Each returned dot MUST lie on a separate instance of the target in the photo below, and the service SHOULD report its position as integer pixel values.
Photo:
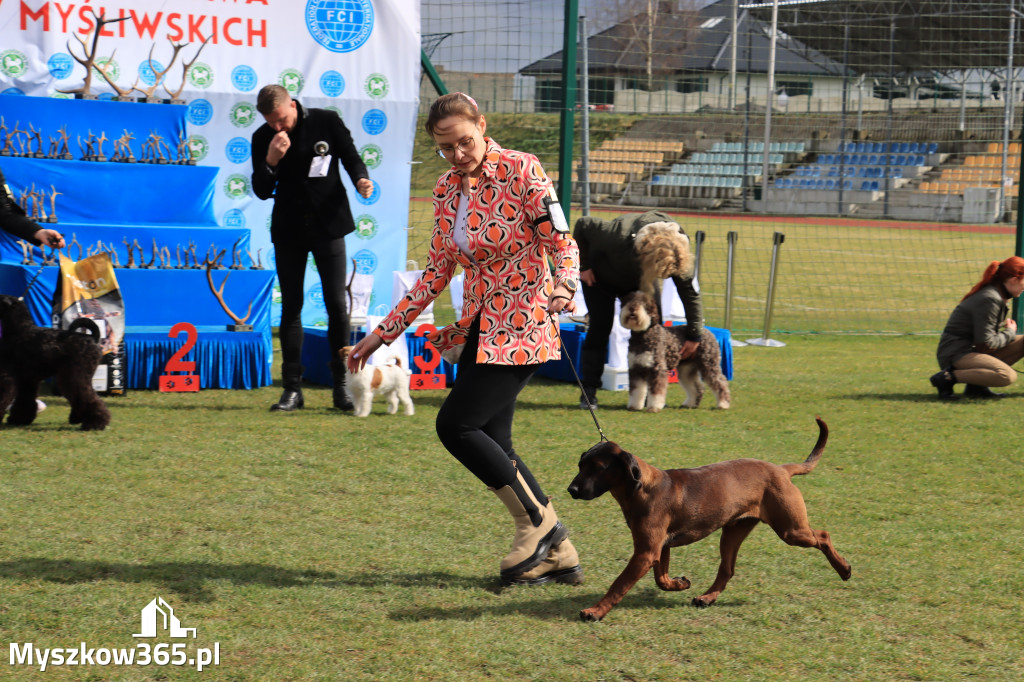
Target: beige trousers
(990, 369)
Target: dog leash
(34, 278)
(590, 406)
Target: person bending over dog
(495, 215)
(14, 221)
(614, 262)
(979, 342)
(295, 157)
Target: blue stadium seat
(933, 147)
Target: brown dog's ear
(628, 460)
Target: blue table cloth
(222, 359)
(316, 354)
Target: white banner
(358, 57)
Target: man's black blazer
(320, 203)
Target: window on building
(795, 88)
(691, 84)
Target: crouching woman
(980, 343)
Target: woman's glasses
(448, 151)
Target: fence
(884, 146)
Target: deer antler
(219, 293)
(89, 60)
(121, 92)
(158, 76)
(184, 71)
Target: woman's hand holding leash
(560, 300)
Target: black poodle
(29, 354)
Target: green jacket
(975, 326)
(606, 247)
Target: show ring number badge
(428, 376)
(186, 381)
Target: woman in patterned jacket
(496, 216)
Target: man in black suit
(295, 158)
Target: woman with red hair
(979, 342)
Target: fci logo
(339, 26)
(13, 63)
(242, 114)
(376, 85)
(236, 186)
(198, 147)
(366, 226)
(291, 80)
(371, 154)
(109, 66)
(200, 75)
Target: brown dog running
(666, 509)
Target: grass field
(320, 546)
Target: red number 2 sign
(186, 381)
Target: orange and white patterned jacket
(511, 237)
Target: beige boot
(562, 565)
(537, 528)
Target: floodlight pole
(584, 176)
(1018, 310)
(768, 105)
(1008, 97)
(732, 51)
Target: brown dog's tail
(807, 466)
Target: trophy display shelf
(147, 214)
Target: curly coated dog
(654, 350)
(29, 354)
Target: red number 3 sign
(187, 381)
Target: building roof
(927, 35)
(691, 42)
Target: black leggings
(329, 256)
(475, 420)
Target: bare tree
(660, 31)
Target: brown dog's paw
(683, 583)
(702, 602)
(591, 615)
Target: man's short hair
(270, 98)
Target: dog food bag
(88, 289)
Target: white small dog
(390, 380)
